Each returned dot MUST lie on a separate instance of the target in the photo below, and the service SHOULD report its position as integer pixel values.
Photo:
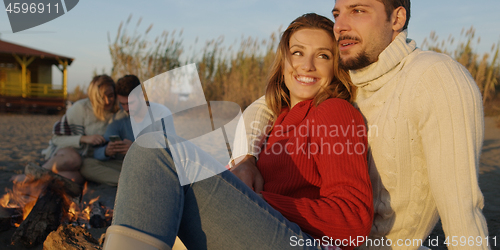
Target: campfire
(43, 202)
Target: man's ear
(398, 19)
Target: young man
(425, 120)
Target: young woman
(316, 185)
(81, 128)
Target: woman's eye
(296, 53)
(324, 56)
(358, 11)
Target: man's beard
(359, 62)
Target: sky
(82, 33)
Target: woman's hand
(92, 139)
(247, 171)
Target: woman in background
(81, 128)
(314, 195)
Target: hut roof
(7, 48)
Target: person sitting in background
(81, 129)
(108, 158)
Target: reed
(77, 94)
(134, 53)
(239, 75)
(228, 75)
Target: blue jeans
(219, 212)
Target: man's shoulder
(421, 63)
(426, 58)
(430, 70)
(121, 120)
(159, 109)
(118, 125)
(120, 114)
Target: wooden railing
(33, 90)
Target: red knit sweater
(315, 170)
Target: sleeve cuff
(99, 154)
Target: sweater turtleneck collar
(388, 60)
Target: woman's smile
(306, 80)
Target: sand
(22, 137)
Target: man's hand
(92, 139)
(123, 148)
(117, 147)
(247, 171)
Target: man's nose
(341, 24)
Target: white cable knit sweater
(425, 118)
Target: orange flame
(54, 168)
(84, 192)
(25, 193)
(5, 200)
(94, 200)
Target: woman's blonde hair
(96, 96)
(278, 95)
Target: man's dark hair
(126, 84)
(391, 5)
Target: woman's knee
(67, 159)
(147, 159)
(73, 175)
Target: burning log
(44, 218)
(46, 214)
(97, 215)
(48, 200)
(71, 188)
(69, 237)
(7, 217)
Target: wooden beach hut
(26, 79)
